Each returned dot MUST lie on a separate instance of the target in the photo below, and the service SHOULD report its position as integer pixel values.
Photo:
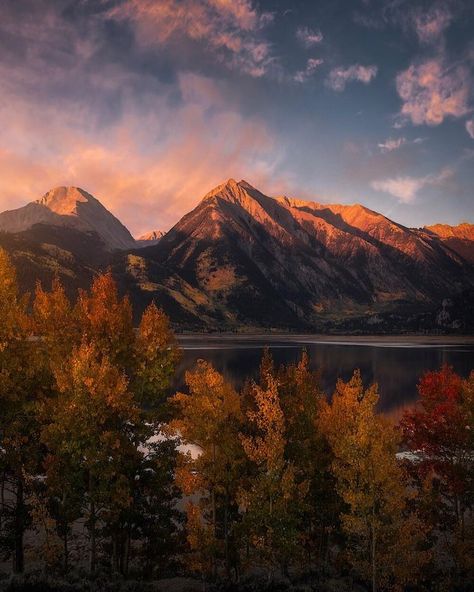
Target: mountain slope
(458, 238)
(149, 238)
(69, 207)
(250, 260)
(241, 260)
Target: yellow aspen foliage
(272, 500)
(209, 418)
(385, 540)
(106, 320)
(201, 541)
(55, 322)
(156, 354)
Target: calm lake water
(395, 364)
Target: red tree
(440, 434)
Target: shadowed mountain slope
(241, 260)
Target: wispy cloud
(406, 188)
(470, 127)
(231, 30)
(391, 144)
(311, 66)
(430, 25)
(431, 91)
(129, 138)
(340, 77)
(308, 37)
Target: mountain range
(241, 260)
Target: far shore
(321, 338)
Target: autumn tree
(89, 430)
(439, 434)
(209, 418)
(20, 387)
(99, 331)
(272, 497)
(106, 321)
(383, 536)
(301, 399)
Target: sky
(149, 104)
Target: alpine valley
(243, 261)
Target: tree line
(105, 470)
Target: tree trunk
(374, 581)
(93, 542)
(65, 551)
(226, 534)
(127, 550)
(18, 557)
(214, 517)
(115, 561)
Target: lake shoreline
(328, 339)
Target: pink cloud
(470, 128)
(431, 92)
(406, 188)
(311, 66)
(150, 166)
(339, 77)
(392, 144)
(431, 24)
(230, 29)
(308, 37)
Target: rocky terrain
(242, 260)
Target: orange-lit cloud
(150, 167)
(230, 29)
(432, 91)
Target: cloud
(149, 166)
(231, 30)
(431, 92)
(430, 25)
(308, 37)
(311, 66)
(127, 136)
(339, 77)
(406, 188)
(470, 127)
(391, 144)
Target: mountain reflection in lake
(396, 365)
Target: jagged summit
(231, 191)
(153, 235)
(150, 238)
(65, 200)
(70, 207)
(461, 231)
